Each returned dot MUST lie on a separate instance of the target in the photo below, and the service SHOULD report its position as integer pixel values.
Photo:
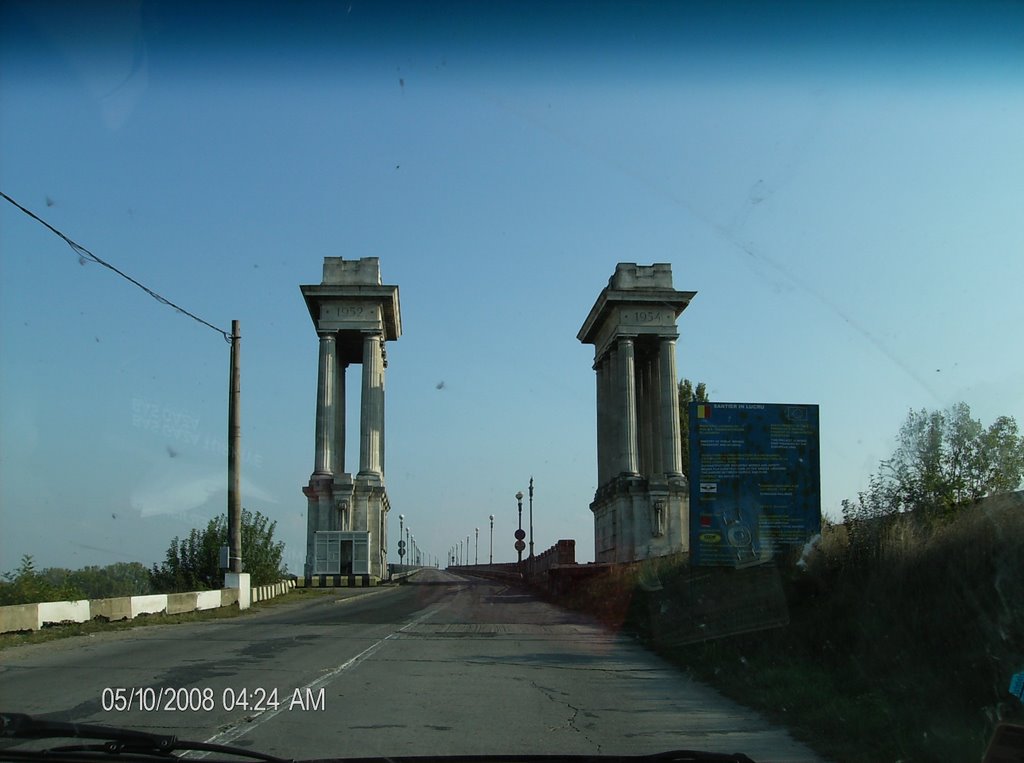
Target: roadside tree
(26, 585)
(688, 394)
(944, 461)
(192, 563)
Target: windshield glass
(401, 378)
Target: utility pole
(235, 456)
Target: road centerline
(243, 726)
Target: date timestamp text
(196, 699)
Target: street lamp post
(531, 517)
(491, 558)
(519, 532)
(467, 549)
(401, 537)
(476, 548)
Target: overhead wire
(81, 251)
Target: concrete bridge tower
(354, 316)
(641, 507)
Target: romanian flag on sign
(703, 411)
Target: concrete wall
(178, 603)
(148, 605)
(19, 617)
(210, 600)
(31, 617)
(63, 612)
(110, 609)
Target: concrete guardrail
(264, 592)
(32, 617)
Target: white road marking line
(359, 596)
(239, 728)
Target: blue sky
(841, 186)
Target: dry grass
(902, 650)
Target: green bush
(192, 563)
(26, 585)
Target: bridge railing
(560, 554)
(509, 572)
(536, 572)
(398, 572)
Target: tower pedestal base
(637, 518)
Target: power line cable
(81, 251)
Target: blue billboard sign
(755, 484)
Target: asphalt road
(445, 665)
